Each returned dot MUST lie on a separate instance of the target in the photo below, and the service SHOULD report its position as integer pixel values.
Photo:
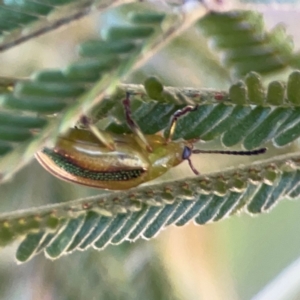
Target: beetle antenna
(228, 152)
(187, 152)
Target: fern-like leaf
(247, 114)
(143, 212)
(245, 45)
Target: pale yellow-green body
(80, 157)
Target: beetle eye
(186, 155)
(187, 152)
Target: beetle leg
(179, 113)
(103, 137)
(132, 124)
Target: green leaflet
(64, 237)
(120, 216)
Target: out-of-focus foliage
(249, 113)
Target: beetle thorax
(164, 155)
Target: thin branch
(55, 24)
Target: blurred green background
(232, 259)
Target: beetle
(119, 162)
